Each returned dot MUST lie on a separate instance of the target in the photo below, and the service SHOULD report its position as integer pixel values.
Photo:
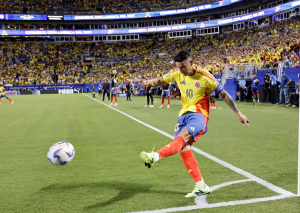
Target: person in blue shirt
(254, 86)
(242, 85)
(273, 81)
(285, 80)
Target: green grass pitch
(107, 174)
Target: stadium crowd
(49, 6)
(90, 6)
(131, 6)
(63, 63)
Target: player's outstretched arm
(230, 102)
(153, 82)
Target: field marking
(214, 205)
(283, 193)
(201, 200)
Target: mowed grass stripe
(106, 174)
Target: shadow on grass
(127, 190)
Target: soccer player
(195, 85)
(113, 90)
(128, 92)
(254, 87)
(3, 94)
(149, 95)
(212, 100)
(165, 93)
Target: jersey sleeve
(213, 84)
(171, 76)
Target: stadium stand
(90, 6)
(121, 6)
(39, 63)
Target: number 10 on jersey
(189, 93)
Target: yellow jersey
(2, 90)
(195, 90)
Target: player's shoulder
(171, 73)
(205, 73)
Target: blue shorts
(165, 94)
(3, 96)
(113, 92)
(195, 123)
(254, 89)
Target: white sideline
(283, 193)
(214, 205)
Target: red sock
(115, 99)
(171, 148)
(111, 99)
(214, 104)
(0, 100)
(191, 165)
(9, 99)
(169, 99)
(162, 101)
(211, 105)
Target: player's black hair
(181, 56)
(112, 75)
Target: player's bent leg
(150, 157)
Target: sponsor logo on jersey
(168, 74)
(192, 128)
(197, 85)
(183, 82)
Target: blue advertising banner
(213, 23)
(22, 17)
(151, 14)
(46, 87)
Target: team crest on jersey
(168, 74)
(197, 85)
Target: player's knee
(186, 136)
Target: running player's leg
(112, 96)
(212, 102)
(162, 99)
(169, 99)
(116, 99)
(5, 96)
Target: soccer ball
(61, 153)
